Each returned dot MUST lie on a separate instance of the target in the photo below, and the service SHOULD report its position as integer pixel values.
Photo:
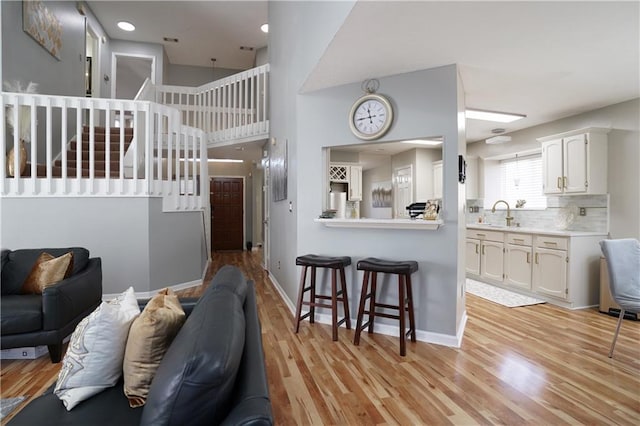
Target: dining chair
(623, 262)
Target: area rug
(7, 405)
(500, 295)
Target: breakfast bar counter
(415, 224)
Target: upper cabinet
(351, 174)
(575, 162)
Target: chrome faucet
(508, 218)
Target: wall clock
(371, 115)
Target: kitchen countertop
(524, 230)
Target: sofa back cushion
(194, 382)
(17, 264)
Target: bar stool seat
(335, 263)
(371, 267)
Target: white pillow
(93, 361)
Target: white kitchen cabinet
(473, 256)
(492, 260)
(486, 250)
(351, 174)
(437, 179)
(518, 261)
(550, 272)
(355, 183)
(575, 162)
(560, 267)
(550, 266)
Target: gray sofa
(213, 372)
(32, 319)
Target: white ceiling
(204, 29)
(547, 60)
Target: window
(521, 179)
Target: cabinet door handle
(476, 249)
(528, 257)
(536, 258)
(481, 235)
(483, 250)
(559, 183)
(564, 182)
(519, 239)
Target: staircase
(100, 146)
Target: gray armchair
(623, 262)
(46, 319)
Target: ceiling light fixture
(498, 139)
(500, 117)
(264, 28)
(126, 26)
(428, 142)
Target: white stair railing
(233, 108)
(159, 147)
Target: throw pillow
(93, 361)
(149, 337)
(47, 271)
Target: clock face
(370, 117)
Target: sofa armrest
(73, 296)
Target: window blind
(521, 179)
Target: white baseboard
(386, 329)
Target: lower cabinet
(485, 254)
(561, 269)
(517, 266)
(550, 272)
(492, 260)
(473, 256)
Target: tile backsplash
(561, 213)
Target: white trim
(114, 56)
(386, 329)
(283, 295)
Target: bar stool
(371, 266)
(335, 264)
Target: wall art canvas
(381, 195)
(278, 168)
(41, 24)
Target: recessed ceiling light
(500, 117)
(429, 142)
(126, 26)
(264, 28)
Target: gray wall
(191, 76)
(139, 245)
(623, 157)
(426, 102)
(135, 48)
(23, 59)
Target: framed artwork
(278, 168)
(41, 24)
(381, 195)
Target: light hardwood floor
(532, 365)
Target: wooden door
(227, 213)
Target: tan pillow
(149, 338)
(47, 271)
